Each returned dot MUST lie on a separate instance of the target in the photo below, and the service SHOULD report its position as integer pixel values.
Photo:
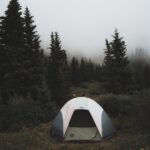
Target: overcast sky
(83, 25)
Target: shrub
(115, 105)
(145, 93)
(24, 111)
(94, 91)
(84, 85)
(121, 108)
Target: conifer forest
(35, 84)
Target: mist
(84, 25)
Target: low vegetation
(34, 85)
(130, 116)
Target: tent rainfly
(82, 119)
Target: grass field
(130, 116)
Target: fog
(83, 25)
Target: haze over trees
(116, 65)
(33, 85)
(58, 77)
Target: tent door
(82, 127)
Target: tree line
(33, 85)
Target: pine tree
(25, 96)
(75, 72)
(59, 76)
(34, 57)
(119, 51)
(2, 31)
(108, 60)
(31, 36)
(108, 66)
(2, 55)
(116, 65)
(98, 73)
(83, 70)
(22, 66)
(12, 48)
(89, 70)
(146, 76)
(12, 25)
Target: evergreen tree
(59, 82)
(98, 75)
(12, 48)
(2, 56)
(24, 95)
(23, 67)
(12, 26)
(108, 67)
(83, 70)
(89, 70)
(146, 76)
(31, 37)
(2, 31)
(116, 65)
(119, 51)
(75, 72)
(34, 65)
(108, 60)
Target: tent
(82, 119)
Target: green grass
(130, 116)
(90, 89)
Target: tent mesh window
(81, 118)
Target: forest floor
(132, 125)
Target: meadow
(130, 115)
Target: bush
(115, 105)
(94, 91)
(84, 85)
(121, 108)
(145, 93)
(23, 111)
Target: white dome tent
(82, 119)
